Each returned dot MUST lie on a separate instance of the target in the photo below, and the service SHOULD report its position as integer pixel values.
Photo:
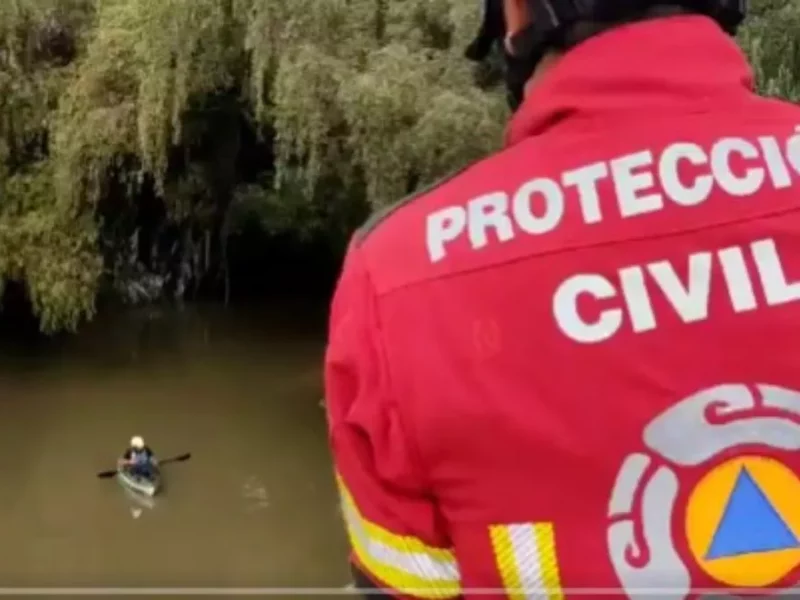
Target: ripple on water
(255, 494)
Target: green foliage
(771, 39)
(42, 242)
(370, 89)
(360, 101)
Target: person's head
(534, 33)
(137, 442)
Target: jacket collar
(661, 64)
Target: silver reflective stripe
(417, 564)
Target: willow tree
(376, 90)
(771, 38)
(368, 88)
(361, 100)
(47, 244)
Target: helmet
(554, 19)
(137, 442)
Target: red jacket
(574, 365)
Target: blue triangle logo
(750, 524)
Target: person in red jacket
(572, 367)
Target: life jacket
(140, 457)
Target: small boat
(149, 486)
(137, 501)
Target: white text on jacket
(643, 183)
(630, 298)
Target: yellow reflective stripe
(506, 561)
(404, 563)
(525, 555)
(546, 545)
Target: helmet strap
(517, 73)
(525, 50)
(558, 27)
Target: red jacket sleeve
(395, 530)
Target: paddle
(180, 458)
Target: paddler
(138, 458)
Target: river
(239, 389)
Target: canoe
(149, 486)
(138, 501)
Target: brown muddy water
(239, 389)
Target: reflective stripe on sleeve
(404, 563)
(526, 559)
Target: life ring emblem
(740, 520)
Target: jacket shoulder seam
(381, 215)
